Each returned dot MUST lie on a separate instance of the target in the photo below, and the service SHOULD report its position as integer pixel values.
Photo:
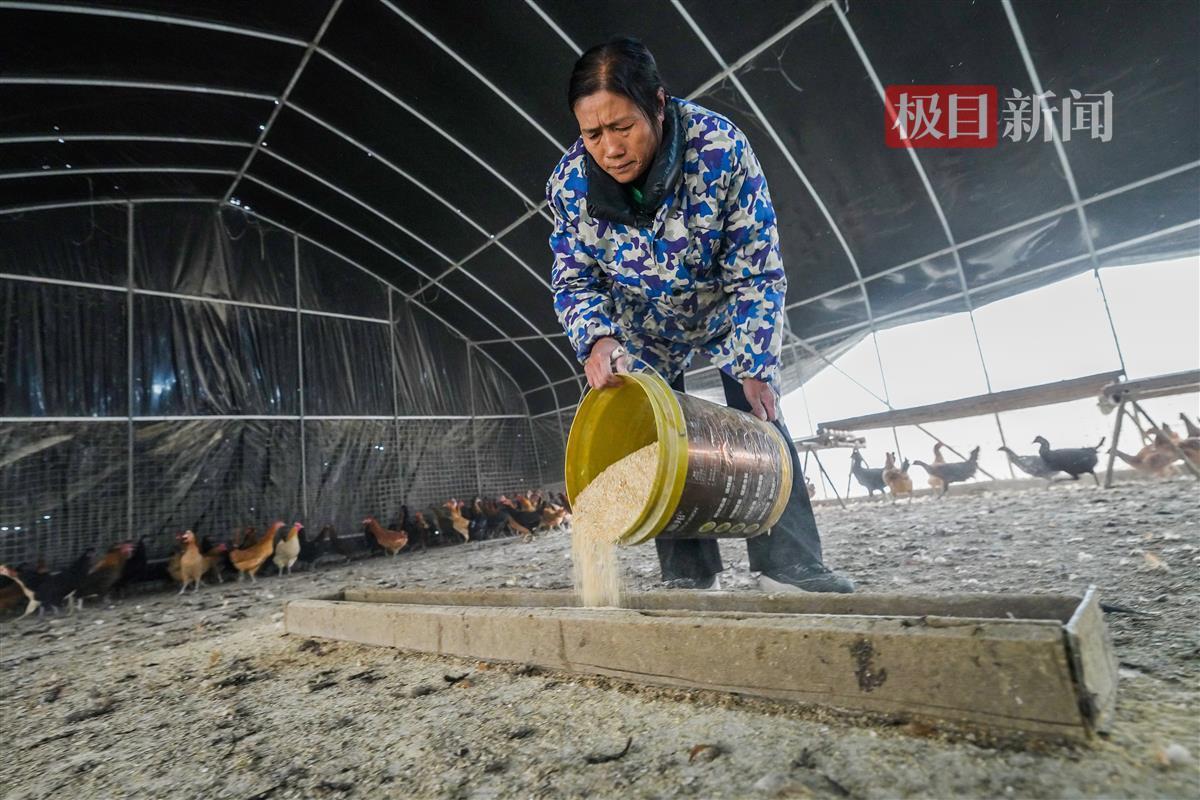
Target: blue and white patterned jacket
(699, 269)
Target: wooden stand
(1127, 393)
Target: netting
(266, 383)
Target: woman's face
(617, 134)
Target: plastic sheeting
(192, 357)
(204, 251)
(347, 369)
(64, 351)
(64, 485)
(72, 244)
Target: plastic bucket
(721, 472)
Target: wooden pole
(1112, 451)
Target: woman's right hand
(599, 364)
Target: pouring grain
(603, 512)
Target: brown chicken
(554, 516)
(461, 525)
(897, 479)
(104, 576)
(191, 563)
(391, 541)
(249, 559)
(1154, 459)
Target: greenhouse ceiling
(414, 139)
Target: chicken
(249, 559)
(896, 478)
(519, 521)
(104, 576)
(136, 566)
(191, 563)
(952, 471)
(425, 531)
(1165, 430)
(869, 479)
(288, 549)
(495, 519)
(1154, 459)
(1191, 449)
(443, 526)
(32, 603)
(810, 487)
(44, 590)
(458, 522)
(934, 481)
(1074, 461)
(391, 541)
(1193, 430)
(12, 592)
(553, 516)
(245, 537)
(1030, 465)
(214, 560)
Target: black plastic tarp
(417, 138)
(224, 432)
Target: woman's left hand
(761, 397)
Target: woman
(665, 244)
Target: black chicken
(57, 587)
(416, 534)
(869, 479)
(1030, 465)
(1074, 461)
(952, 471)
(135, 569)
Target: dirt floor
(203, 696)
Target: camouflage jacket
(699, 269)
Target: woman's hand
(599, 364)
(762, 399)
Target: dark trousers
(794, 539)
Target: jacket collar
(609, 200)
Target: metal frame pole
(300, 380)
(474, 439)
(129, 369)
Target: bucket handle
(618, 353)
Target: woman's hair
(623, 66)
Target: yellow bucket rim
(671, 431)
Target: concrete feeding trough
(1035, 664)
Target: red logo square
(940, 116)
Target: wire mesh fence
(270, 392)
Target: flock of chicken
(1157, 458)
(125, 563)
